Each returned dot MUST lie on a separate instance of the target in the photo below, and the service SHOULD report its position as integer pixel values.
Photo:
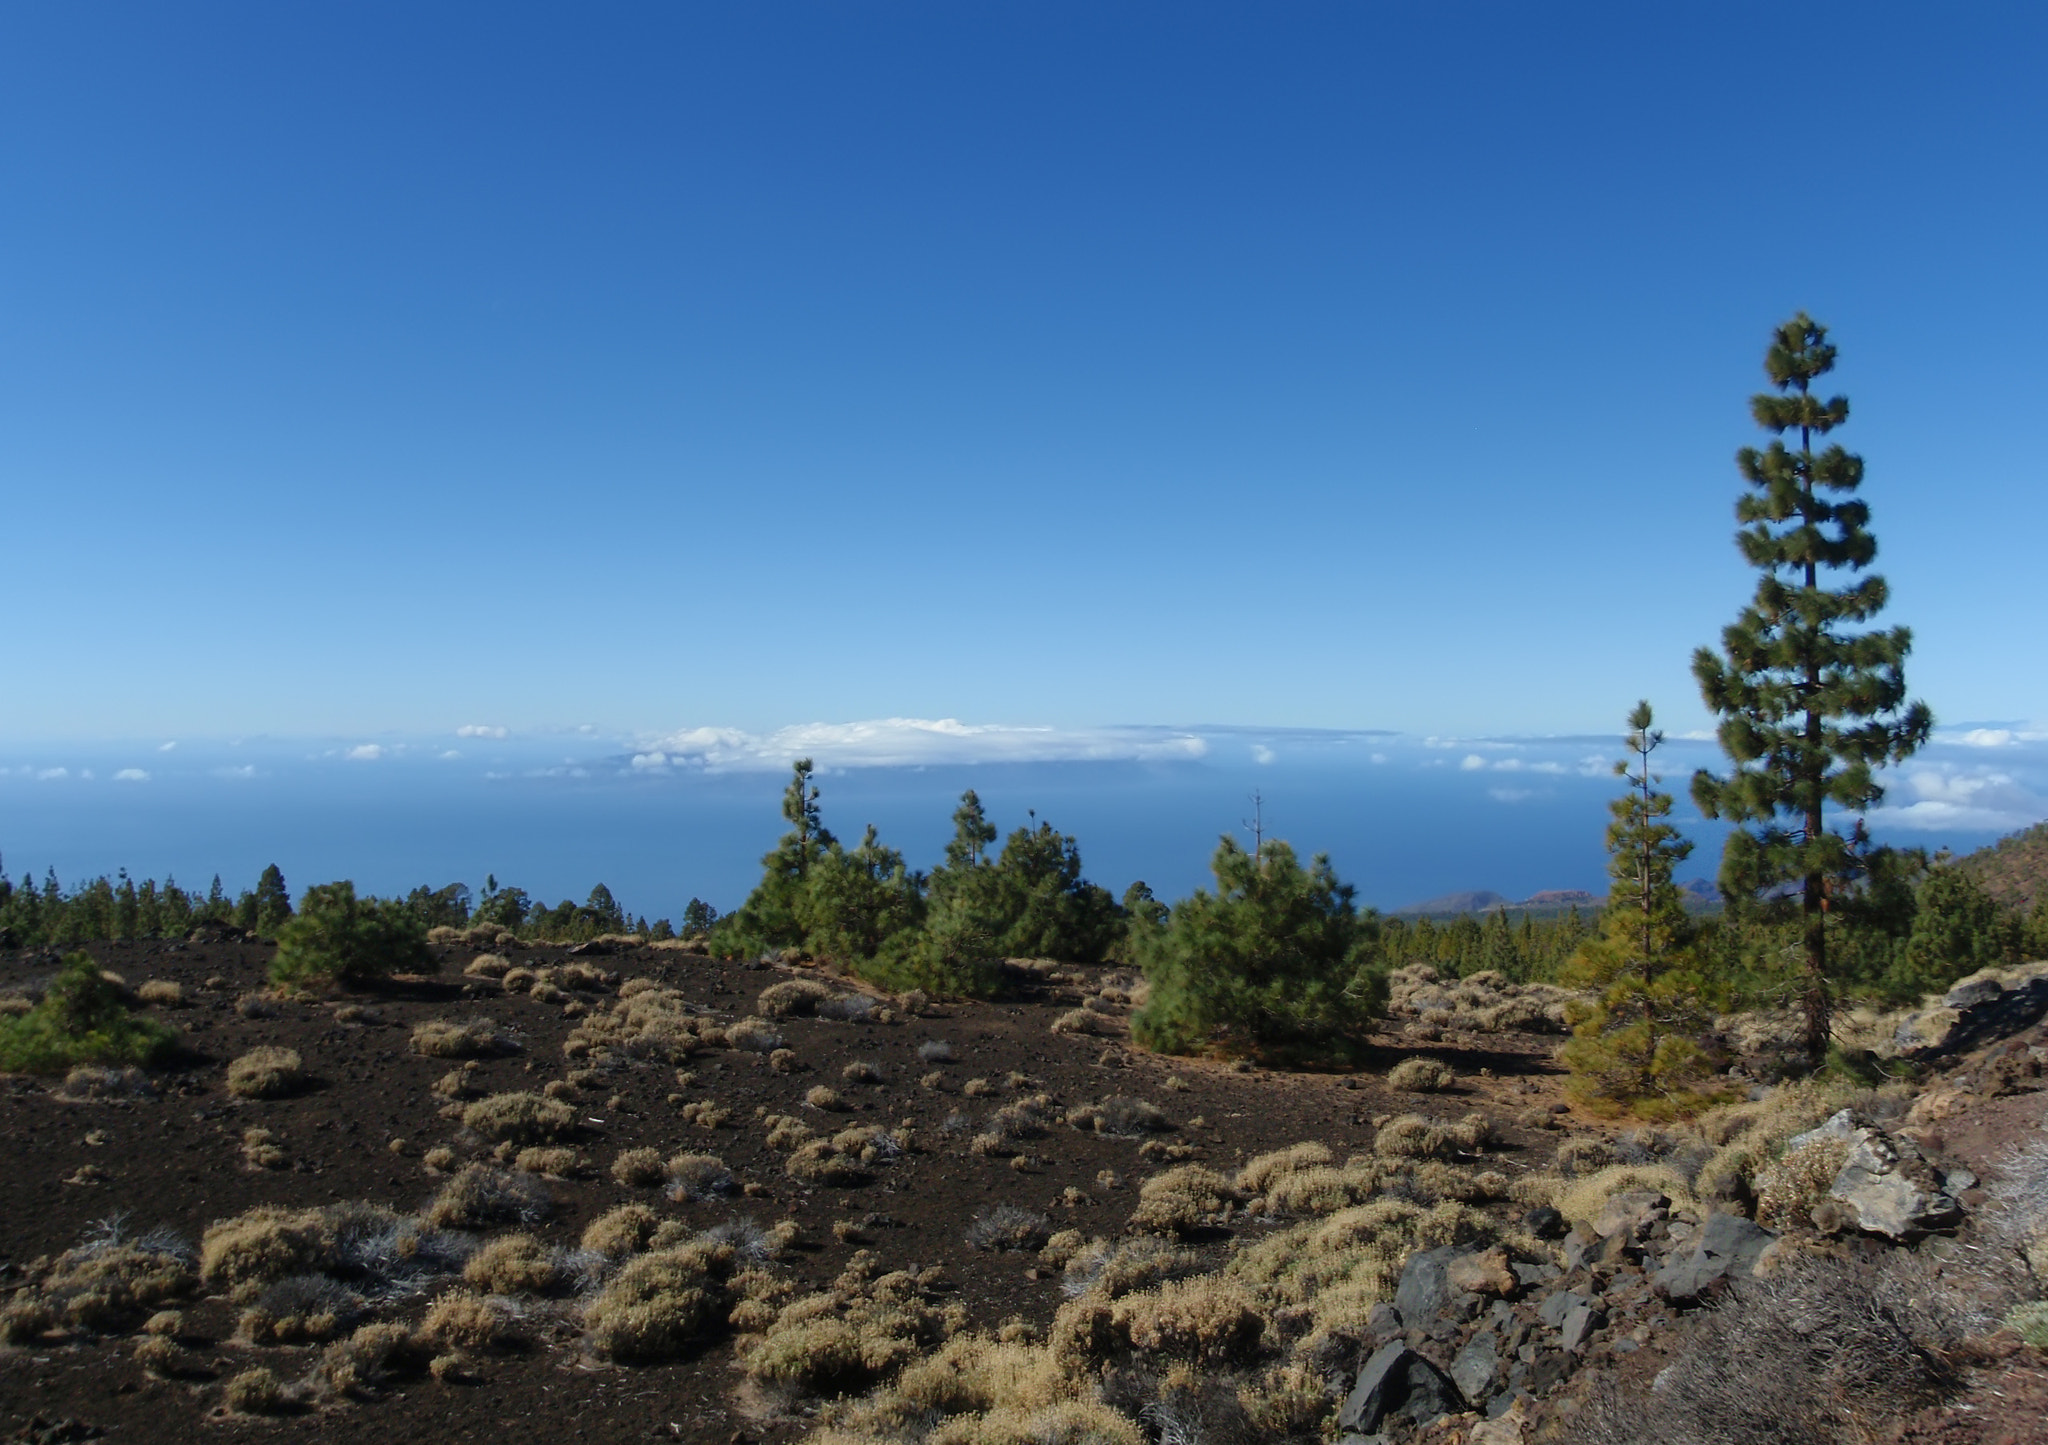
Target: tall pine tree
(1635, 1045)
(1811, 703)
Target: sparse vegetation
(336, 937)
(267, 1073)
(83, 1018)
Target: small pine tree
(1809, 708)
(1276, 958)
(972, 833)
(770, 918)
(1635, 1046)
(336, 936)
(855, 900)
(273, 902)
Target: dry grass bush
(1421, 1076)
(1412, 1136)
(1121, 1117)
(1823, 1352)
(786, 1131)
(820, 1097)
(520, 1119)
(628, 1229)
(475, 1038)
(1259, 1173)
(1086, 1022)
(262, 1150)
(1747, 1138)
(256, 1006)
(980, 1391)
(98, 1081)
(439, 1159)
(977, 1088)
(1484, 1002)
(699, 1177)
(303, 1309)
(266, 1073)
(488, 965)
(515, 1264)
(459, 1084)
(14, 1005)
(1115, 1270)
(706, 1114)
(1183, 1201)
(1789, 1188)
(935, 1081)
(1008, 1227)
(935, 1051)
(370, 1357)
(1584, 1154)
(255, 1391)
(661, 1304)
(162, 993)
(1203, 1320)
(792, 998)
(639, 1168)
(846, 1158)
(519, 980)
(557, 1161)
(460, 1320)
(648, 1022)
(161, 1357)
(267, 1243)
(851, 1336)
(105, 1285)
(169, 1323)
(479, 1197)
(753, 1035)
(1580, 1200)
(786, 1061)
(861, 1071)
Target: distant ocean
(663, 820)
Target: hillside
(2014, 870)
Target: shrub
(935, 1051)
(861, 1071)
(1275, 957)
(162, 993)
(337, 937)
(847, 1008)
(461, 1320)
(753, 1035)
(365, 1359)
(1182, 1200)
(791, 997)
(519, 1119)
(261, 1150)
(557, 1161)
(1010, 1227)
(301, 1309)
(265, 1244)
(255, 1392)
(515, 1264)
(266, 1073)
(820, 1097)
(699, 1176)
(1121, 1117)
(488, 965)
(1420, 1076)
(660, 1304)
(472, 1039)
(83, 1018)
(622, 1231)
(639, 1168)
(480, 1196)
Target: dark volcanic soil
(174, 1159)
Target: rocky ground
(943, 1187)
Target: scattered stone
(1727, 1247)
(1425, 1294)
(1887, 1187)
(1578, 1327)
(1398, 1386)
(1476, 1365)
(1485, 1272)
(1631, 1214)
(1984, 1006)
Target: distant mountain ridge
(2014, 870)
(1548, 900)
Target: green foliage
(854, 901)
(1957, 929)
(1275, 958)
(1811, 705)
(440, 907)
(338, 937)
(83, 1018)
(1635, 1046)
(266, 909)
(699, 918)
(32, 916)
(1032, 902)
(771, 917)
(505, 908)
(951, 954)
(1531, 950)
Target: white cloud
(911, 742)
(131, 775)
(1472, 762)
(1379, 757)
(1979, 799)
(480, 730)
(51, 775)
(650, 762)
(1510, 795)
(246, 770)
(448, 754)
(1261, 754)
(168, 747)
(365, 753)
(1987, 737)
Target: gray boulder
(1397, 1386)
(1474, 1369)
(1887, 1187)
(1726, 1247)
(1426, 1296)
(1987, 1005)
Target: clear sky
(381, 368)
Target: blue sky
(374, 371)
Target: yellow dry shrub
(820, 1097)
(255, 1391)
(514, 1264)
(266, 1073)
(791, 997)
(1205, 1321)
(786, 1131)
(461, 1320)
(847, 1338)
(162, 992)
(1260, 1171)
(265, 1244)
(1787, 1190)
(1421, 1076)
(488, 965)
(556, 1162)
(362, 1361)
(1580, 1200)
(474, 1038)
(639, 1168)
(519, 1118)
(661, 1303)
(1182, 1200)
